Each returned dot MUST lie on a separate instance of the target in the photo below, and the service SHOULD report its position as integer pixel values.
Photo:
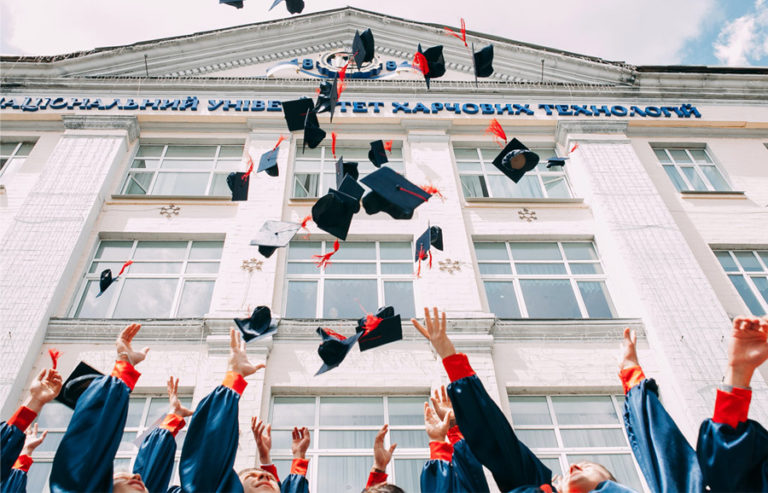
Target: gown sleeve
(16, 481)
(208, 453)
(12, 438)
(438, 475)
(296, 482)
(154, 462)
(469, 471)
(666, 458)
(83, 460)
(488, 433)
(733, 450)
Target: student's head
(583, 477)
(126, 482)
(256, 480)
(384, 488)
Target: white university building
(657, 222)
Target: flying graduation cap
(258, 325)
(295, 112)
(344, 168)
(77, 383)
(268, 160)
(313, 134)
(234, 3)
(482, 61)
(328, 97)
(274, 235)
(334, 348)
(556, 161)
(106, 278)
(515, 160)
(430, 62)
(377, 154)
(392, 193)
(363, 47)
(333, 211)
(238, 182)
(294, 6)
(379, 329)
(432, 237)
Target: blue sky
(647, 32)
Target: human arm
(382, 456)
(296, 482)
(16, 481)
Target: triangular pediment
(315, 45)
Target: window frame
(14, 157)
(747, 275)
(696, 165)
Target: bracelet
(380, 471)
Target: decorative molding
(450, 266)
(103, 122)
(251, 264)
(615, 131)
(170, 210)
(566, 330)
(526, 214)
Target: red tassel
(371, 322)
(433, 190)
(250, 168)
(420, 63)
(339, 89)
(125, 265)
(333, 144)
(463, 36)
(304, 225)
(343, 72)
(388, 146)
(430, 259)
(279, 141)
(495, 129)
(575, 146)
(421, 257)
(54, 356)
(398, 187)
(334, 334)
(325, 260)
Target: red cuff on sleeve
(270, 468)
(454, 435)
(299, 466)
(375, 478)
(23, 463)
(457, 366)
(126, 372)
(22, 418)
(235, 381)
(732, 408)
(440, 451)
(630, 377)
(173, 423)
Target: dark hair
(384, 488)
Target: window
(565, 429)
(13, 153)
(691, 169)
(362, 276)
(168, 279)
(544, 280)
(748, 271)
(315, 171)
(480, 178)
(343, 430)
(182, 169)
(144, 412)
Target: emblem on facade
(526, 214)
(450, 266)
(252, 264)
(170, 210)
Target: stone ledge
(566, 330)
(103, 122)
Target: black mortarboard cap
(377, 154)
(333, 350)
(556, 161)
(274, 235)
(483, 61)
(233, 3)
(77, 383)
(313, 134)
(432, 237)
(105, 281)
(515, 160)
(344, 168)
(238, 185)
(294, 6)
(363, 47)
(328, 97)
(396, 195)
(435, 62)
(295, 112)
(268, 162)
(390, 329)
(258, 325)
(333, 212)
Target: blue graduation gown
(11, 443)
(15, 482)
(154, 461)
(734, 459)
(295, 483)
(668, 462)
(462, 474)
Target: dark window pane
(595, 296)
(146, 298)
(344, 297)
(293, 411)
(408, 474)
(549, 298)
(501, 299)
(195, 299)
(342, 474)
(406, 410)
(584, 410)
(747, 295)
(400, 295)
(729, 265)
(351, 411)
(529, 410)
(302, 299)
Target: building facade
(657, 222)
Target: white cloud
(745, 39)
(647, 32)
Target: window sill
(587, 329)
(695, 194)
(303, 200)
(485, 200)
(171, 198)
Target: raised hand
(747, 350)
(32, 441)
(300, 442)
(437, 428)
(436, 333)
(238, 359)
(124, 350)
(173, 399)
(442, 404)
(381, 455)
(262, 434)
(628, 354)
(45, 387)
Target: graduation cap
(333, 212)
(392, 193)
(274, 235)
(328, 97)
(258, 325)
(77, 383)
(432, 237)
(233, 3)
(362, 47)
(344, 168)
(313, 134)
(334, 348)
(268, 160)
(106, 279)
(377, 154)
(556, 161)
(379, 329)
(238, 182)
(295, 112)
(294, 6)
(515, 160)
(483, 61)
(430, 62)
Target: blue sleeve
(208, 453)
(491, 438)
(83, 461)
(734, 459)
(295, 483)
(437, 476)
(668, 462)
(469, 471)
(11, 443)
(15, 482)
(154, 461)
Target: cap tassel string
(388, 146)
(433, 190)
(279, 141)
(371, 322)
(412, 193)
(304, 225)
(575, 146)
(333, 144)
(420, 63)
(335, 334)
(250, 168)
(125, 266)
(495, 129)
(325, 260)
(463, 36)
(54, 354)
